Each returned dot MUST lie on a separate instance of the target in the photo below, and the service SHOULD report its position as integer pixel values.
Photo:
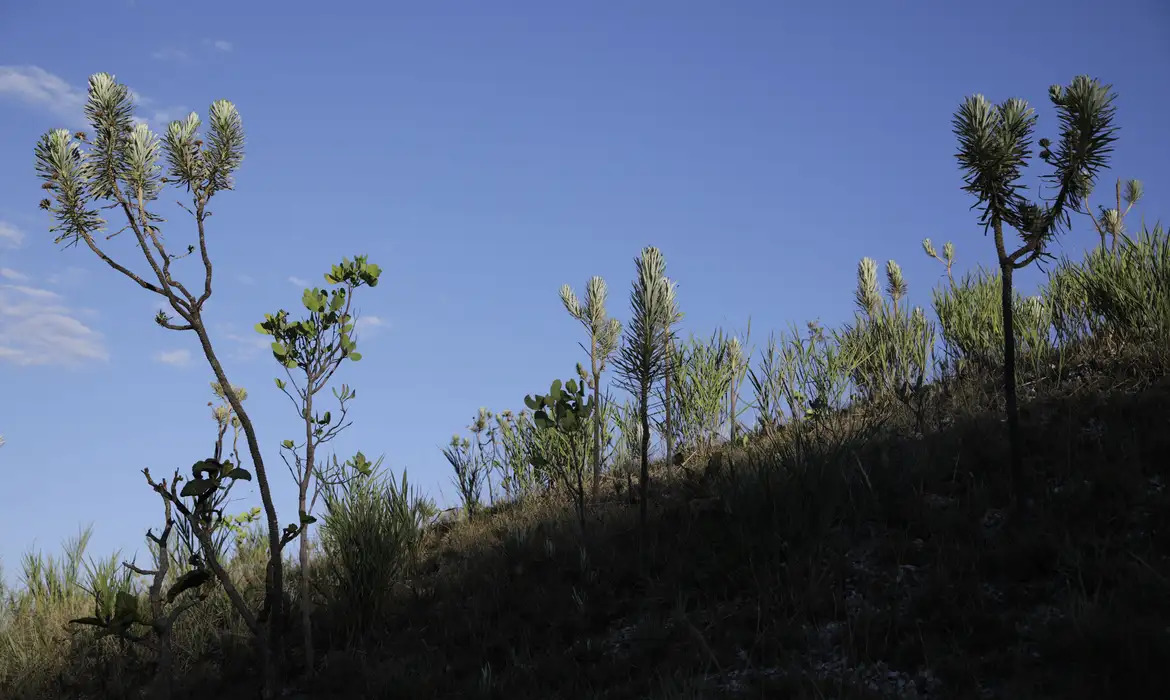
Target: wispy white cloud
(10, 236)
(38, 87)
(33, 292)
(9, 274)
(178, 54)
(175, 358)
(247, 279)
(38, 328)
(298, 281)
(368, 325)
(160, 119)
(171, 53)
(154, 116)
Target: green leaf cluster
(313, 342)
(209, 474)
(565, 408)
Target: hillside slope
(883, 568)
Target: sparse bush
(628, 425)
(512, 435)
(566, 410)
(1111, 222)
(815, 373)
(315, 348)
(472, 464)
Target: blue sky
(484, 154)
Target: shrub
(1116, 295)
(889, 345)
(371, 535)
(970, 318)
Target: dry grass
(883, 570)
(860, 578)
(860, 553)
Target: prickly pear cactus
(565, 408)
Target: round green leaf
(197, 487)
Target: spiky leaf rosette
(592, 315)
(122, 163)
(995, 143)
(642, 357)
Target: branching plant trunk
(604, 335)
(644, 482)
(315, 347)
(669, 371)
(1009, 360)
(598, 416)
(995, 142)
(581, 484)
(274, 574)
(306, 589)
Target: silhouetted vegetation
(871, 532)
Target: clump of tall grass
(803, 377)
(815, 372)
(54, 589)
(702, 371)
(628, 428)
(1116, 295)
(889, 345)
(970, 318)
(371, 537)
(767, 383)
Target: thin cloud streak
(38, 328)
(35, 86)
(10, 236)
(175, 358)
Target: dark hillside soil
(892, 571)
(861, 564)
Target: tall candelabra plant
(995, 143)
(122, 168)
(604, 335)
